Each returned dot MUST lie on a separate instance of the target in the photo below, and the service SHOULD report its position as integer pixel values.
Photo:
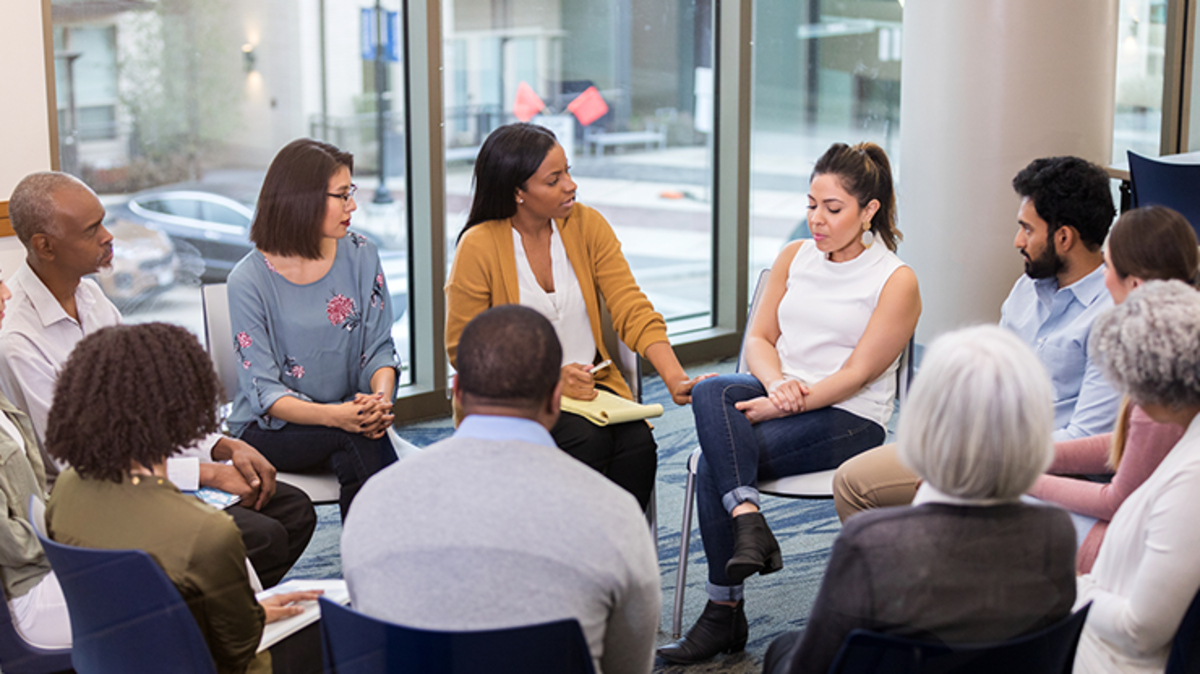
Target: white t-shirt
(564, 308)
(825, 312)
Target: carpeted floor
(774, 604)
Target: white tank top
(564, 308)
(825, 312)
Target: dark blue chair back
(1048, 651)
(1161, 183)
(1185, 650)
(126, 615)
(18, 657)
(353, 643)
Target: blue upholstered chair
(126, 615)
(1048, 651)
(353, 643)
(18, 657)
(1185, 651)
(1162, 183)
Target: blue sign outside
(391, 33)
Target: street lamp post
(382, 195)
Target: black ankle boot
(755, 549)
(720, 629)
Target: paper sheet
(608, 408)
(335, 590)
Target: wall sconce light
(248, 57)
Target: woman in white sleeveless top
(823, 350)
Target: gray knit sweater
(474, 534)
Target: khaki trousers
(873, 479)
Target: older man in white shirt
(59, 220)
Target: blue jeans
(737, 454)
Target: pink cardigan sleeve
(1145, 446)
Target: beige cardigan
(484, 275)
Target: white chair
(218, 333)
(630, 365)
(818, 485)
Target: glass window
(825, 71)
(199, 95)
(224, 214)
(184, 208)
(645, 164)
(1141, 47)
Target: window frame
(428, 394)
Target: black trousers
(277, 535)
(625, 453)
(353, 457)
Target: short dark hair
(1153, 243)
(509, 355)
(1069, 191)
(509, 156)
(864, 172)
(131, 393)
(292, 203)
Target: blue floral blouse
(319, 342)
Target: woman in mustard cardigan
(527, 241)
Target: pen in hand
(600, 366)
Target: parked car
(144, 263)
(202, 224)
(211, 232)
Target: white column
(986, 87)
(25, 119)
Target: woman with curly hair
(1147, 572)
(127, 397)
(312, 326)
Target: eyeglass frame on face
(347, 196)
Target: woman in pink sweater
(1152, 243)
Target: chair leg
(652, 518)
(685, 536)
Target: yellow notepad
(608, 408)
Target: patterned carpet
(774, 604)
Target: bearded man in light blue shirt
(1066, 211)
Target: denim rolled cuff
(738, 496)
(724, 593)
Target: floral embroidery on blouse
(270, 266)
(243, 342)
(292, 368)
(342, 311)
(357, 239)
(377, 292)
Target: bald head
(33, 206)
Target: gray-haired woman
(969, 561)
(1148, 568)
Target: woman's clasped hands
(784, 398)
(367, 413)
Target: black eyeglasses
(347, 196)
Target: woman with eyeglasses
(312, 325)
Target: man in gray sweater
(496, 527)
